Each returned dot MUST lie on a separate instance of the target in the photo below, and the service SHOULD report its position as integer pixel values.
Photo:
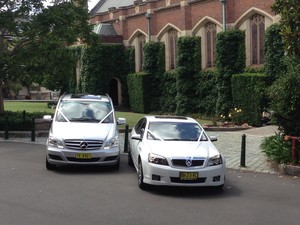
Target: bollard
(243, 151)
(126, 139)
(33, 130)
(6, 134)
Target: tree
(290, 22)
(33, 40)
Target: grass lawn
(131, 118)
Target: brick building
(138, 21)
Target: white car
(174, 151)
(83, 132)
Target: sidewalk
(229, 144)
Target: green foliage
(18, 121)
(154, 66)
(139, 92)
(274, 52)
(169, 90)
(277, 149)
(99, 66)
(289, 19)
(285, 99)
(230, 60)
(154, 60)
(249, 95)
(206, 92)
(188, 66)
(36, 51)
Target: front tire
(140, 173)
(50, 166)
(130, 162)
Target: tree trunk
(1, 98)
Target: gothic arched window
(257, 23)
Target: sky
(91, 3)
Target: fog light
(156, 177)
(217, 178)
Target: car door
(139, 129)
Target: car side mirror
(121, 121)
(213, 138)
(47, 118)
(136, 137)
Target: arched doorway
(114, 91)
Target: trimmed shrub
(139, 92)
(207, 93)
(230, 60)
(249, 96)
(274, 52)
(188, 66)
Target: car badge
(188, 162)
(83, 145)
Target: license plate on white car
(188, 175)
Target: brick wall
(182, 14)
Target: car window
(175, 131)
(85, 111)
(140, 126)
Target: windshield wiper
(85, 120)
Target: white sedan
(174, 151)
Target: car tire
(140, 173)
(50, 166)
(117, 166)
(130, 162)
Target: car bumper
(105, 157)
(169, 176)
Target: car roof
(169, 118)
(104, 98)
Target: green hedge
(102, 62)
(249, 95)
(207, 93)
(169, 90)
(274, 52)
(230, 60)
(189, 60)
(139, 92)
(19, 121)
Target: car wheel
(117, 166)
(130, 162)
(140, 173)
(50, 166)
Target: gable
(104, 5)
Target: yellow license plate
(83, 155)
(188, 175)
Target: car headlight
(215, 160)
(112, 143)
(157, 159)
(55, 142)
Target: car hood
(94, 131)
(183, 149)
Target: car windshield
(85, 111)
(175, 131)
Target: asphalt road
(31, 195)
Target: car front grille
(183, 162)
(73, 159)
(82, 145)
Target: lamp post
(148, 16)
(224, 13)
